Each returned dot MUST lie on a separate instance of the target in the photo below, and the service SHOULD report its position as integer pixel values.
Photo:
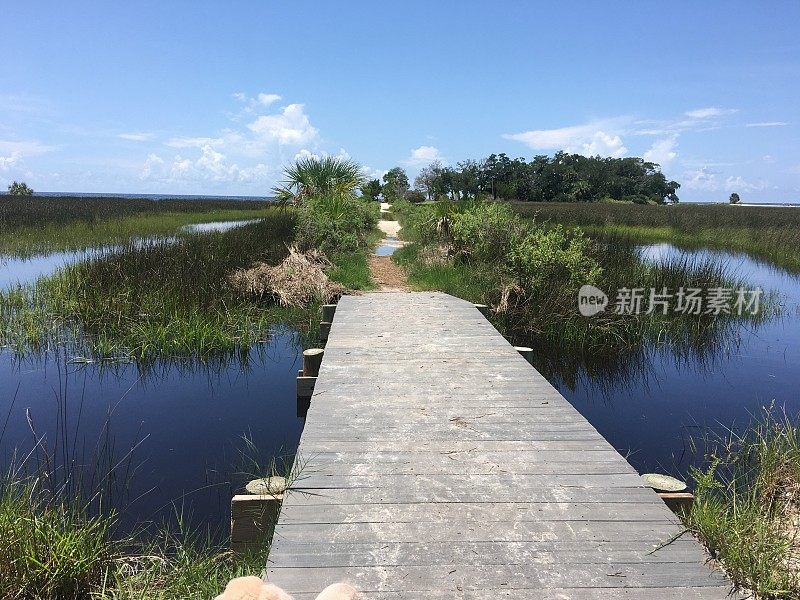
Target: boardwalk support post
(306, 378)
(678, 502)
(253, 519)
(328, 310)
(324, 331)
(525, 352)
(312, 359)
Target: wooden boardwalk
(440, 464)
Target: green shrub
(484, 230)
(335, 225)
(547, 257)
(414, 196)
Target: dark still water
(655, 407)
(186, 424)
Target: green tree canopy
(372, 189)
(734, 198)
(395, 184)
(561, 178)
(19, 188)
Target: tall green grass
(544, 314)
(747, 506)
(767, 233)
(81, 234)
(18, 212)
(53, 546)
(165, 298)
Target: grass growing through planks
(767, 233)
(747, 507)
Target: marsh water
(182, 435)
(21, 271)
(181, 429)
(657, 407)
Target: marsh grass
(767, 233)
(164, 298)
(351, 270)
(30, 226)
(747, 505)
(49, 547)
(551, 318)
(468, 281)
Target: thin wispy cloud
(710, 112)
(767, 124)
(137, 136)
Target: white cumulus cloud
(267, 99)
(599, 137)
(289, 127)
(422, 156)
(662, 152)
(709, 180)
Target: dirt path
(388, 276)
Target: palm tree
(330, 179)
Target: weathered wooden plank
(397, 495)
(509, 531)
(531, 577)
(620, 593)
(522, 484)
(424, 553)
(476, 511)
(459, 445)
(476, 465)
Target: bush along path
(388, 276)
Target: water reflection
(654, 403)
(182, 423)
(219, 226)
(26, 270)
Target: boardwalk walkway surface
(440, 464)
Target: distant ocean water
(154, 196)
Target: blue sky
(214, 98)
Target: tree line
(560, 178)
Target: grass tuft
(747, 506)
